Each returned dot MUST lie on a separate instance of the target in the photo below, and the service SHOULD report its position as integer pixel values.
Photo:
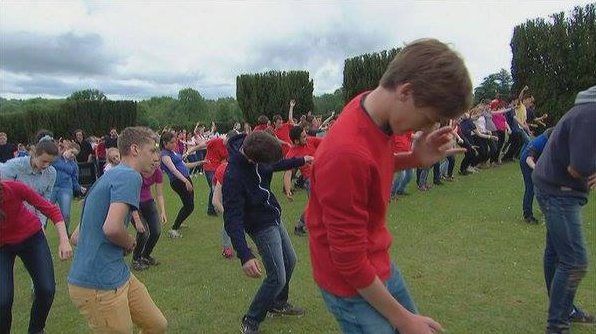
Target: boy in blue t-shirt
(99, 282)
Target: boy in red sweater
(351, 180)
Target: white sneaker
(471, 170)
(174, 234)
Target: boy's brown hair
(438, 76)
(262, 147)
(138, 135)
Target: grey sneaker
(286, 309)
(581, 317)
(248, 326)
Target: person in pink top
(150, 218)
(21, 235)
(502, 128)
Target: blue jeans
(209, 176)
(302, 221)
(528, 189)
(355, 315)
(279, 259)
(401, 181)
(63, 197)
(565, 259)
(36, 256)
(421, 176)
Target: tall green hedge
(94, 117)
(363, 72)
(555, 58)
(269, 93)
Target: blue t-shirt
(178, 163)
(534, 148)
(98, 263)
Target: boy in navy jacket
(251, 207)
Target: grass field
(469, 260)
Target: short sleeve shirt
(98, 263)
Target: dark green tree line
(269, 93)
(362, 73)
(555, 58)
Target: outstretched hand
(430, 147)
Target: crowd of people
(418, 118)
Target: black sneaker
(581, 317)
(532, 220)
(138, 265)
(286, 309)
(149, 260)
(300, 231)
(249, 327)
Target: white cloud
(140, 49)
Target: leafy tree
(191, 103)
(269, 93)
(326, 103)
(87, 95)
(556, 58)
(362, 73)
(495, 83)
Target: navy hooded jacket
(249, 205)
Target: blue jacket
(249, 205)
(67, 174)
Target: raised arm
(291, 112)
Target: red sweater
(350, 189)
(309, 148)
(216, 154)
(19, 222)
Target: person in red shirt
(282, 130)
(303, 145)
(216, 154)
(351, 183)
(402, 143)
(21, 235)
(263, 123)
(226, 243)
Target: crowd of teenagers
(418, 118)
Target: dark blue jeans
(209, 176)
(36, 256)
(565, 259)
(528, 189)
(279, 259)
(356, 316)
(146, 241)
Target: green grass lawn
(469, 260)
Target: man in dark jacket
(563, 176)
(251, 207)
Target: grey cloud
(31, 53)
(308, 49)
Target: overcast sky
(139, 49)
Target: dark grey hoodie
(572, 143)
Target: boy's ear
(404, 91)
